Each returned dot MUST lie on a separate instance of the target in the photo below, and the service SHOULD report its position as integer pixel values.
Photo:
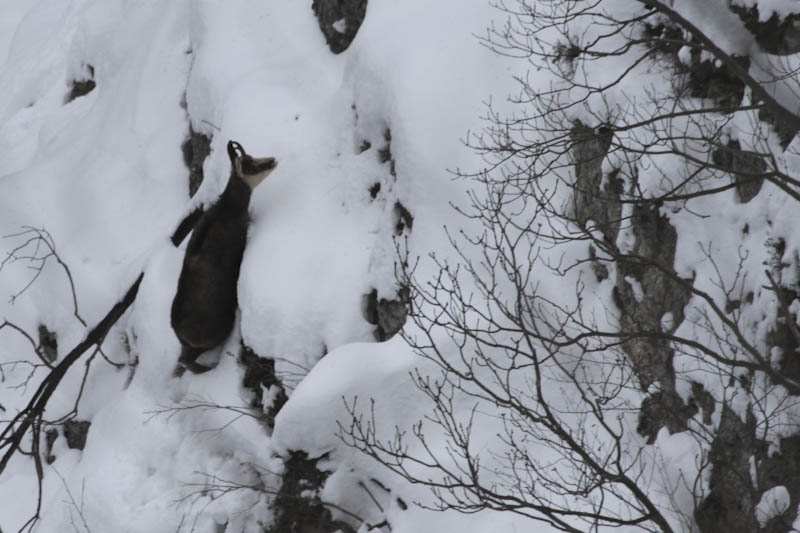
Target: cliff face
(109, 140)
(113, 123)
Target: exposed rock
(782, 128)
(784, 333)
(82, 86)
(385, 153)
(375, 189)
(48, 343)
(702, 78)
(665, 39)
(701, 399)
(600, 270)
(782, 469)
(388, 315)
(649, 265)
(297, 507)
(748, 169)
(50, 437)
(708, 79)
(715, 81)
(646, 288)
(730, 505)
(663, 409)
(259, 376)
(195, 149)
(590, 201)
(339, 21)
(774, 35)
(738, 460)
(666, 409)
(75, 432)
(402, 219)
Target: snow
(340, 25)
(104, 174)
(767, 8)
(774, 502)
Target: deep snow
(104, 175)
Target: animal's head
(252, 170)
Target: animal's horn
(235, 150)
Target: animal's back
(204, 307)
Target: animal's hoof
(179, 371)
(184, 365)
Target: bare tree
(36, 248)
(643, 119)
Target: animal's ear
(235, 150)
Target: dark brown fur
(204, 308)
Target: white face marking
(254, 179)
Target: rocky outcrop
(593, 200)
(648, 294)
(75, 432)
(260, 379)
(82, 85)
(747, 168)
(775, 35)
(48, 344)
(730, 505)
(339, 21)
(195, 149)
(388, 315)
(297, 507)
(700, 76)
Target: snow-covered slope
(97, 101)
(103, 174)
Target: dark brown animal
(204, 307)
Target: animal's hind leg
(187, 362)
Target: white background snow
(104, 175)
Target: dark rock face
(666, 409)
(50, 437)
(782, 469)
(402, 219)
(644, 290)
(259, 375)
(75, 432)
(701, 78)
(388, 315)
(644, 266)
(48, 343)
(650, 266)
(708, 80)
(195, 149)
(82, 86)
(590, 201)
(784, 333)
(339, 21)
(774, 35)
(730, 505)
(297, 506)
(748, 169)
(662, 409)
